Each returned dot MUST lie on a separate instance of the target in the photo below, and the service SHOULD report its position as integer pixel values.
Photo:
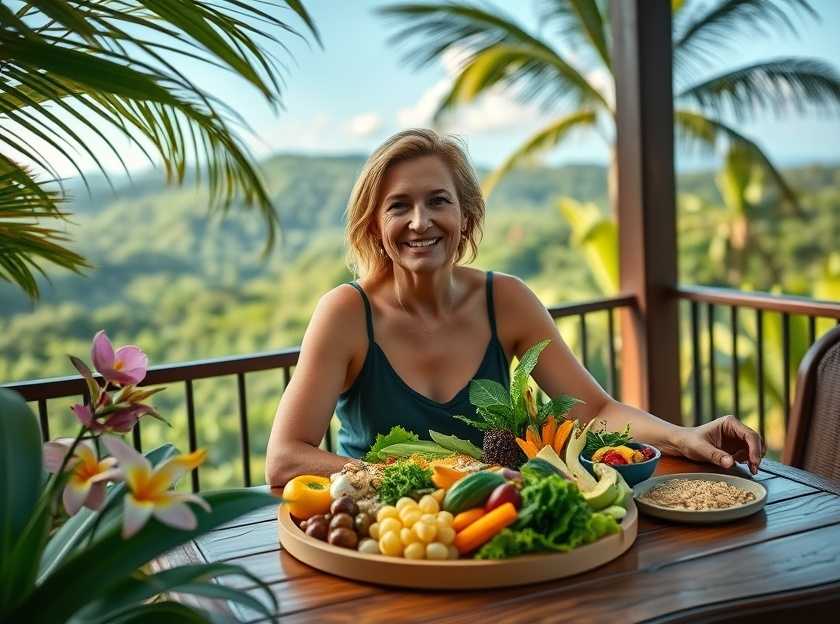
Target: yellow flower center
(118, 365)
(151, 486)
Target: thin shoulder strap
(368, 313)
(491, 314)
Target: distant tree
(498, 52)
(76, 68)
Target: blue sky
(358, 90)
(355, 92)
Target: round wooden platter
(460, 574)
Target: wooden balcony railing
(749, 316)
(764, 309)
(41, 391)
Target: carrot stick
(533, 436)
(529, 449)
(562, 435)
(485, 528)
(549, 430)
(466, 518)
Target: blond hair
(364, 253)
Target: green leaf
(488, 393)
(72, 533)
(730, 19)
(100, 567)
(481, 425)
(560, 406)
(420, 447)
(20, 486)
(526, 70)
(186, 579)
(166, 611)
(396, 435)
(772, 86)
(454, 443)
(695, 126)
(597, 236)
(109, 67)
(539, 143)
(519, 380)
(593, 25)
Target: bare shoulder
(521, 318)
(472, 279)
(512, 295)
(339, 318)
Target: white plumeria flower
(88, 475)
(149, 488)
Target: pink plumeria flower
(123, 420)
(120, 421)
(149, 488)
(85, 415)
(89, 476)
(124, 367)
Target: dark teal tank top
(380, 399)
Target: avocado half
(607, 491)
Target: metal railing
(741, 305)
(40, 391)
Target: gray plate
(702, 517)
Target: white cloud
(364, 125)
(314, 134)
(420, 115)
(496, 110)
(602, 80)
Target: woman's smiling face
(419, 216)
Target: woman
(402, 344)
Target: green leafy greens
(401, 479)
(554, 517)
(456, 444)
(397, 435)
(598, 439)
(496, 408)
(424, 448)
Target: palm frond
(530, 74)
(538, 143)
(778, 84)
(695, 128)
(455, 27)
(108, 66)
(703, 34)
(581, 19)
(24, 242)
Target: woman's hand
(723, 441)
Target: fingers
(710, 453)
(755, 445)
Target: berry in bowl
(635, 461)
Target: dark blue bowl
(632, 473)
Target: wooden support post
(642, 64)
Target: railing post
(646, 206)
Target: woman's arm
(308, 403)
(525, 322)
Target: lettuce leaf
(554, 518)
(397, 435)
(456, 444)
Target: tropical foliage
(189, 289)
(499, 53)
(80, 78)
(73, 547)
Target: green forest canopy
(184, 286)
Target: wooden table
(782, 561)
